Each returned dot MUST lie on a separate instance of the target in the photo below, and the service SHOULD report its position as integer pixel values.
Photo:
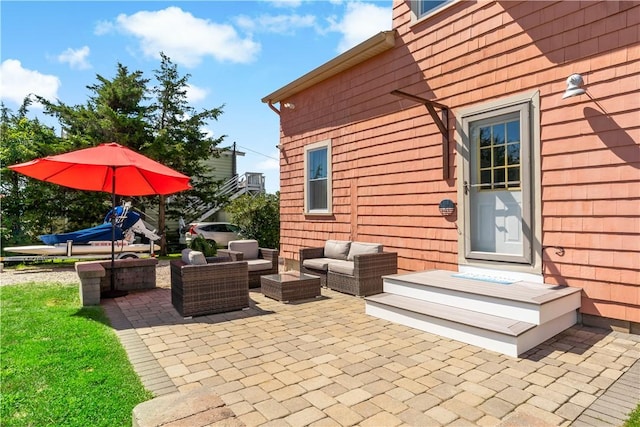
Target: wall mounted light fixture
(574, 86)
(289, 105)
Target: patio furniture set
(201, 285)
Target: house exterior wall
(387, 172)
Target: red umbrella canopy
(93, 169)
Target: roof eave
(377, 44)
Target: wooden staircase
(506, 318)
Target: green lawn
(634, 418)
(61, 364)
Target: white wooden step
(535, 303)
(503, 335)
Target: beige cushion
(259, 264)
(360, 248)
(185, 255)
(342, 267)
(197, 258)
(336, 249)
(249, 248)
(317, 263)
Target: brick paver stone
(343, 414)
(305, 417)
(271, 409)
(353, 397)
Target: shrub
(258, 218)
(207, 247)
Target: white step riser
(525, 312)
(511, 346)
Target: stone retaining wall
(129, 274)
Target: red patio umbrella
(108, 167)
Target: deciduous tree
(258, 218)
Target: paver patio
(324, 362)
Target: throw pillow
(336, 249)
(185, 255)
(359, 248)
(197, 258)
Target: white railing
(247, 183)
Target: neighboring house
(224, 168)
(544, 188)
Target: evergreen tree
(28, 207)
(115, 112)
(179, 141)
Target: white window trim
(471, 113)
(414, 10)
(311, 147)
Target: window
(423, 8)
(317, 178)
(499, 155)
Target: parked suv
(219, 232)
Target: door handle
(465, 186)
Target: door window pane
(513, 154)
(498, 178)
(485, 137)
(513, 131)
(485, 158)
(499, 155)
(498, 134)
(514, 177)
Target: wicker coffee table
(290, 286)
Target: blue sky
(236, 52)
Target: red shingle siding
(387, 152)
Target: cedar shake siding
(387, 152)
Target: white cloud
(77, 59)
(17, 82)
(195, 93)
(279, 24)
(185, 38)
(360, 22)
(104, 27)
(286, 3)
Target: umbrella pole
(112, 293)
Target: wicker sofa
(261, 261)
(354, 268)
(217, 286)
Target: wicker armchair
(367, 274)
(312, 253)
(211, 288)
(262, 261)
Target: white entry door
(496, 186)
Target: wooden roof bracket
(273, 107)
(442, 123)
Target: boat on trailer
(94, 242)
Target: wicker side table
(290, 286)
